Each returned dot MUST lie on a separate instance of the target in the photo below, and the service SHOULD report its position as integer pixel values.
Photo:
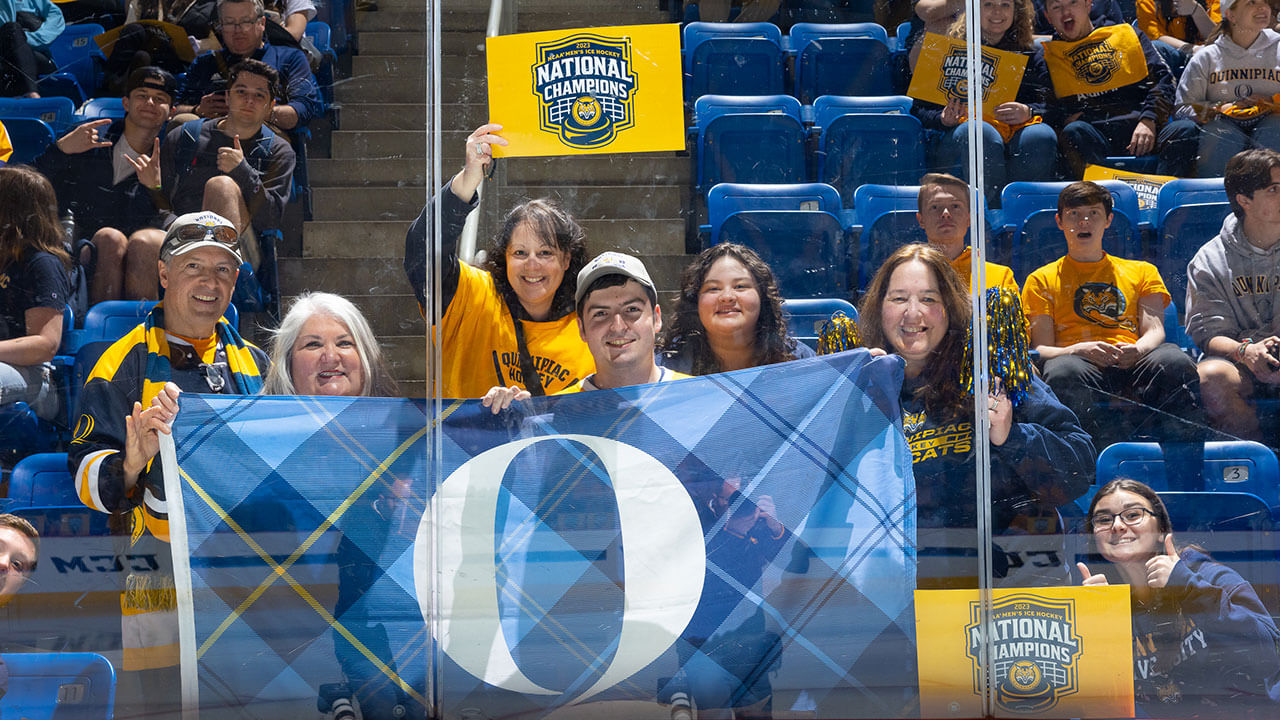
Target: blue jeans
(1085, 143)
(1030, 155)
(1221, 138)
(30, 384)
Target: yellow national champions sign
(1109, 58)
(1055, 652)
(940, 73)
(1147, 186)
(597, 90)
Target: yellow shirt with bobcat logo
(1092, 301)
(480, 349)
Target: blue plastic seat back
(805, 248)
(856, 149)
(727, 198)
(708, 107)
(805, 316)
(1233, 466)
(1237, 529)
(321, 34)
(802, 33)
(75, 52)
(1181, 232)
(900, 36)
(732, 59)
(58, 112)
(842, 66)
(1185, 191)
(753, 147)
(829, 107)
(111, 320)
(872, 200)
(101, 107)
(41, 479)
(65, 686)
(29, 137)
(887, 232)
(62, 84)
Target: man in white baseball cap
(185, 345)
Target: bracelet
(1241, 348)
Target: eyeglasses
(183, 357)
(239, 24)
(195, 233)
(1103, 521)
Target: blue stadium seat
(806, 248)
(840, 59)
(855, 149)
(1190, 190)
(110, 320)
(101, 107)
(727, 198)
(900, 36)
(732, 59)
(65, 686)
(340, 16)
(828, 107)
(1029, 229)
(41, 479)
(1233, 466)
(1180, 233)
(321, 36)
(884, 218)
(29, 137)
(58, 112)
(1238, 530)
(75, 52)
(61, 84)
(748, 140)
(806, 316)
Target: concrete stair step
(604, 202)
(408, 359)
(384, 240)
(371, 203)
(381, 144)
(355, 239)
(369, 276)
(387, 172)
(387, 314)
(640, 168)
(465, 65)
(529, 18)
(412, 116)
(452, 42)
(408, 89)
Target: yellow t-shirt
(997, 275)
(584, 385)
(1151, 22)
(1092, 301)
(480, 349)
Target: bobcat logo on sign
(585, 86)
(953, 81)
(1034, 646)
(1095, 63)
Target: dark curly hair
(551, 223)
(686, 333)
(941, 391)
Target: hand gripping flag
(744, 539)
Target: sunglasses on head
(222, 234)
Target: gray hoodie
(1233, 288)
(1223, 71)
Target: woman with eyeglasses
(34, 287)
(509, 322)
(1204, 644)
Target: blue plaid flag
(742, 540)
